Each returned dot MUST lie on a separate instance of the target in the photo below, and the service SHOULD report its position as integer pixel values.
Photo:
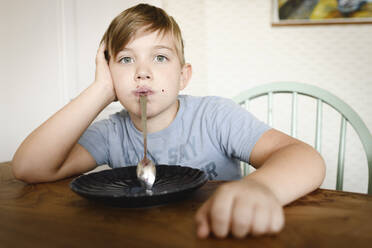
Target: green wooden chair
(321, 96)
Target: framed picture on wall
(310, 12)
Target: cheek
(169, 83)
(120, 79)
(115, 74)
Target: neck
(158, 122)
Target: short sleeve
(95, 141)
(237, 129)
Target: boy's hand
(103, 74)
(241, 207)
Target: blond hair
(124, 27)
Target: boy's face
(149, 65)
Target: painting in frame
(310, 12)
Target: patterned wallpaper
(232, 47)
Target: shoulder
(212, 110)
(113, 121)
(119, 116)
(207, 102)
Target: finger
(220, 213)
(101, 52)
(202, 220)
(241, 218)
(277, 220)
(102, 47)
(261, 218)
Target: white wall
(49, 48)
(29, 69)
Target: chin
(136, 110)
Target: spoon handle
(143, 102)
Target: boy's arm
(50, 152)
(286, 170)
(289, 167)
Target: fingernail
(202, 232)
(200, 235)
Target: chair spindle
(246, 105)
(318, 134)
(294, 115)
(270, 108)
(341, 155)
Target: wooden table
(51, 215)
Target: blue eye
(160, 58)
(126, 60)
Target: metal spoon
(146, 171)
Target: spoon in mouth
(146, 171)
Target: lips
(143, 91)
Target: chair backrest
(321, 96)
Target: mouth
(143, 91)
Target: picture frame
(321, 12)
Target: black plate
(120, 186)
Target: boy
(145, 56)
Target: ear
(186, 73)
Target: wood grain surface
(51, 215)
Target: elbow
(315, 165)
(19, 171)
(22, 170)
(320, 168)
(19, 166)
(29, 169)
(29, 172)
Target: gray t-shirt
(209, 133)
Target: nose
(142, 76)
(143, 73)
